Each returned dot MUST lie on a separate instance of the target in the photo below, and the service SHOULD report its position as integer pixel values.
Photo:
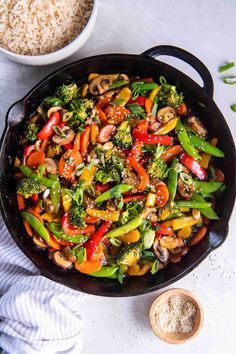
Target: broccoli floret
(66, 93)
(129, 255)
(157, 168)
(123, 137)
(77, 215)
(31, 132)
(28, 186)
(168, 96)
(81, 109)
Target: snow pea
(209, 211)
(203, 145)
(207, 187)
(105, 271)
(130, 226)
(36, 225)
(173, 179)
(185, 140)
(55, 193)
(57, 231)
(114, 192)
(192, 204)
(31, 174)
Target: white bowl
(60, 54)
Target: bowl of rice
(42, 32)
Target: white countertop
(206, 28)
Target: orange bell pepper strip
(20, 201)
(77, 142)
(136, 270)
(84, 142)
(117, 113)
(171, 153)
(68, 162)
(101, 115)
(132, 236)
(181, 109)
(104, 214)
(148, 105)
(88, 175)
(103, 103)
(142, 174)
(33, 212)
(53, 243)
(198, 236)
(35, 159)
(137, 149)
(88, 266)
(94, 133)
(90, 219)
(28, 228)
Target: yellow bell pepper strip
(151, 200)
(167, 127)
(132, 236)
(185, 232)
(114, 192)
(167, 223)
(36, 225)
(87, 175)
(48, 217)
(165, 213)
(204, 162)
(104, 214)
(66, 201)
(154, 93)
(184, 209)
(168, 242)
(136, 270)
(94, 133)
(185, 141)
(143, 176)
(105, 272)
(122, 97)
(130, 226)
(184, 221)
(92, 76)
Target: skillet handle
(187, 57)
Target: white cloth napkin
(37, 315)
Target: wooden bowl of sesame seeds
(176, 316)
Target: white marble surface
(207, 28)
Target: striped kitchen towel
(37, 315)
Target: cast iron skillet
(143, 65)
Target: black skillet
(198, 98)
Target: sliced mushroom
(165, 114)
(51, 166)
(100, 84)
(184, 250)
(48, 206)
(131, 178)
(175, 250)
(68, 254)
(185, 190)
(34, 118)
(197, 126)
(175, 258)
(88, 202)
(106, 133)
(66, 138)
(124, 77)
(39, 242)
(152, 217)
(169, 242)
(60, 260)
(52, 110)
(161, 252)
(147, 211)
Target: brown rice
(35, 27)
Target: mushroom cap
(60, 260)
(100, 84)
(165, 114)
(63, 140)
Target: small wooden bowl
(177, 338)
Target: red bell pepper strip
(68, 146)
(147, 138)
(28, 150)
(91, 245)
(34, 197)
(139, 100)
(194, 166)
(62, 124)
(102, 187)
(84, 142)
(47, 131)
(131, 198)
(74, 230)
(143, 176)
(163, 230)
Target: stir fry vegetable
(115, 178)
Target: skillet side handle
(187, 57)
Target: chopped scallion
(229, 80)
(225, 67)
